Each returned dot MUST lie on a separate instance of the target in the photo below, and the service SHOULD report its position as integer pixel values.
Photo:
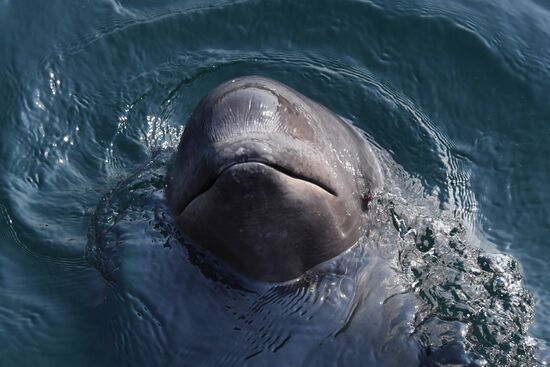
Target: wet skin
(269, 180)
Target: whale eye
(366, 199)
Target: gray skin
(269, 180)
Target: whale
(270, 181)
(282, 190)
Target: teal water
(94, 96)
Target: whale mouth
(278, 168)
(285, 171)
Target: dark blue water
(94, 96)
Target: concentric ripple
(94, 99)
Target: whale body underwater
(275, 184)
(269, 180)
(281, 190)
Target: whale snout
(253, 109)
(269, 180)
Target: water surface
(95, 95)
